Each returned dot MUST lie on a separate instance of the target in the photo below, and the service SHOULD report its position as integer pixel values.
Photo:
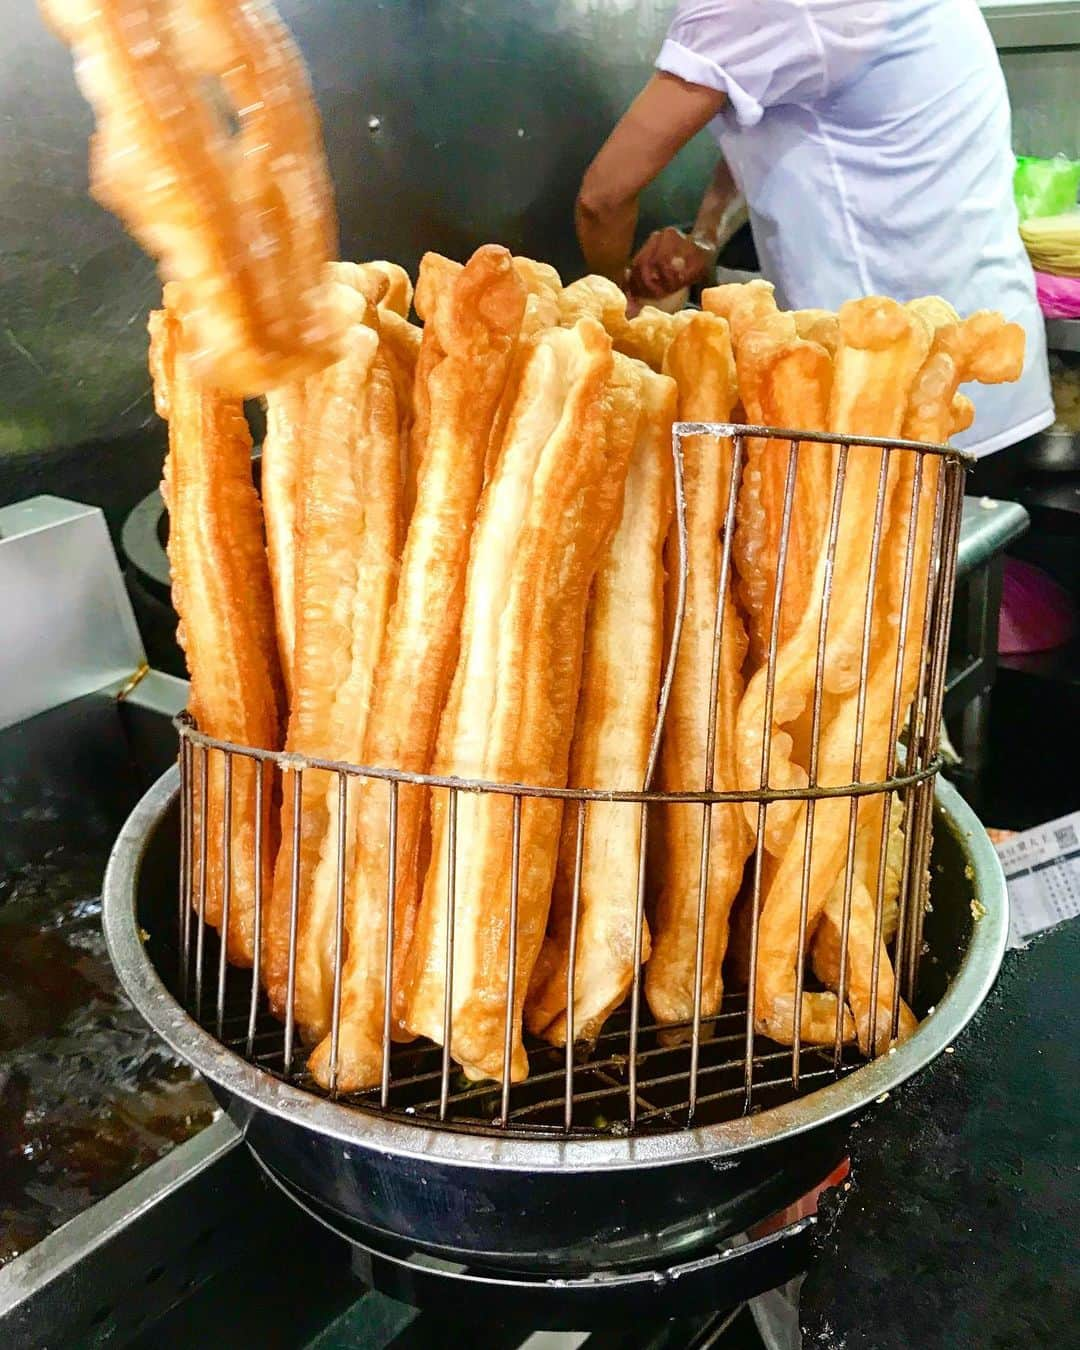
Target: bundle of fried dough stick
(471, 554)
(465, 564)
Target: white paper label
(1042, 868)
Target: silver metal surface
(987, 528)
(68, 625)
(98, 1273)
(1054, 452)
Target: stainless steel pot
(562, 1210)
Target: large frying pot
(573, 1214)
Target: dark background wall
(448, 123)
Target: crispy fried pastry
(208, 148)
(476, 328)
(599, 297)
(783, 382)
(281, 456)
(858, 977)
(701, 362)
(221, 591)
(434, 280)
(388, 287)
(544, 289)
(398, 296)
(616, 719)
(982, 347)
(748, 307)
(881, 352)
(349, 540)
(542, 282)
(985, 346)
(649, 334)
(820, 326)
(545, 521)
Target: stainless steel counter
(1021, 25)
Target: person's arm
(670, 260)
(665, 115)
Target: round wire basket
(639, 1074)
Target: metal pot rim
(716, 1144)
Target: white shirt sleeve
(758, 54)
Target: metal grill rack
(633, 1080)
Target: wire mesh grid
(637, 1075)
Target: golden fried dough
(546, 518)
(349, 530)
(616, 719)
(240, 215)
(477, 327)
(881, 351)
(280, 468)
(701, 362)
(782, 383)
(221, 592)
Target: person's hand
(666, 262)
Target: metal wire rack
(638, 1076)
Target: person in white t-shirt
(871, 142)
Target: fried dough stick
(748, 306)
(221, 591)
(476, 321)
(599, 297)
(388, 287)
(649, 334)
(546, 518)
(280, 467)
(543, 288)
(982, 348)
(616, 720)
(783, 382)
(700, 359)
(882, 350)
(349, 529)
(241, 215)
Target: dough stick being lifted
(616, 721)
(349, 530)
(221, 591)
(476, 321)
(700, 359)
(882, 349)
(546, 518)
(208, 148)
